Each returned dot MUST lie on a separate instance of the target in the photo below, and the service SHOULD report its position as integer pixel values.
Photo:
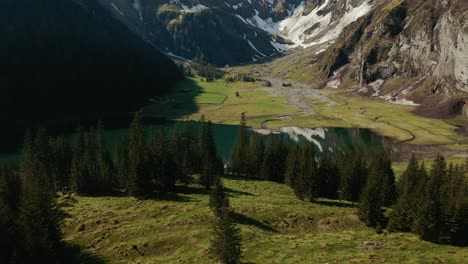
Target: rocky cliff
(405, 51)
(236, 31)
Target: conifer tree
(328, 177)
(121, 162)
(9, 195)
(226, 241)
(353, 177)
(428, 223)
(38, 223)
(139, 180)
(105, 166)
(371, 203)
(210, 161)
(402, 216)
(254, 155)
(292, 167)
(238, 161)
(274, 165)
(61, 156)
(306, 183)
(79, 170)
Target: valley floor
(276, 228)
(302, 106)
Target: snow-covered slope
(242, 30)
(323, 23)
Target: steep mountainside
(404, 51)
(236, 31)
(72, 58)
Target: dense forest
(430, 203)
(67, 60)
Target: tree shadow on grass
(187, 189)
(335, 204)
(237, 192)
(246, 220)
(168, 196)
(239, 178)
(73, 254)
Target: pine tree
(210, 161)
(238, 161)
(38, 223)
(139, 180)
(9, 196)
(379, 192)
(306, 184)
(61, 157)
(292, 167)
(121, 162)
(255, 151)
(402, 216)
(428, 223)
(328, 177)
(226, 241)
(274, 160)
(105, 166)
(353, 177)
(370, 209)
(79, 170)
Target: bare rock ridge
(241, 30)
(405, 51)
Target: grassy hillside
(276, 228)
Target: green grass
(400, 167)
(276, 228)
(217, 100)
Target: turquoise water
(327, 141)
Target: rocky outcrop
(415, 50)
(241, 30)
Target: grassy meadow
(276, 228)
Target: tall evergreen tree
(79, 170)
(306, 183)
(211, 169)
(139, 180)
(353, 177)
(328, 177)
(121, 162)
(238, 161)
(379, 192)
(274, 165)
(105, 166)
(9, 198)
(402, 216)
(292, 167)
(254, 156)
(61, 156)
(38, 223)
(428, 222)
(226, 241)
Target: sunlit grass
(276, 228)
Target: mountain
(236, 31)
(65, 58)
(411, 52)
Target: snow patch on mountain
(137, 5)
(314, 28)
(193, 9)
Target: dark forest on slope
(72, 58)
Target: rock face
(418, 48)
(236, 31)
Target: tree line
(142, 164)
(433, 205)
